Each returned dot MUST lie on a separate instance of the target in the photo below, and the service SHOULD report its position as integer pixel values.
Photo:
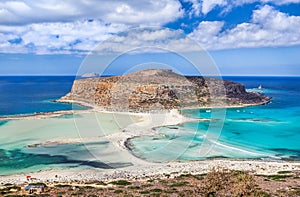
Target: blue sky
(247, 37)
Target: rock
(156, 89)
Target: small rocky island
(158, 89)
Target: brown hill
(156, 89)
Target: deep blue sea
(30, 94)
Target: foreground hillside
(218, 182)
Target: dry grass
(222, 182)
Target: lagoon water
(270, 131)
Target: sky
(242, 37)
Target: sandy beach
(155, 170)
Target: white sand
(154, 170)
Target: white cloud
(52, 26)
(281, 2)
(268, 27)
(208, 5)
(56, 37)
(84, 36)
(272, 19)
(235, 3)
(122, 11)
(205, 6)
(207, 32)
(68, 27)
(148, 40)
(196, 7)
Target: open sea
(31, 94)
(270, 132)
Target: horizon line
(70, 75)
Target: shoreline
(154, 170)
(94, 108)
(42, 115)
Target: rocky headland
(158, 89)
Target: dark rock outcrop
(160, 89)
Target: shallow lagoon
(64, 143)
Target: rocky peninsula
(157, 89)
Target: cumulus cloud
(281, 2)
(208, 5)
(148, 40)
(205, 6)
(79, 36)
(85, 36)
(196, 7)
(268, 27)
(51, 26)
(122, 11)
(207, 32)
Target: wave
(256, 120)
(243, 151)
(263, 90)
(255, 90)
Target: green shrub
(145, 192)
(118, 191)
(277, 177)
(156, 190)
(179, 184)
(284, 172)
(120, 182)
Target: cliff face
(160, 89)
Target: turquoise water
(269, 131)
(99, 153)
